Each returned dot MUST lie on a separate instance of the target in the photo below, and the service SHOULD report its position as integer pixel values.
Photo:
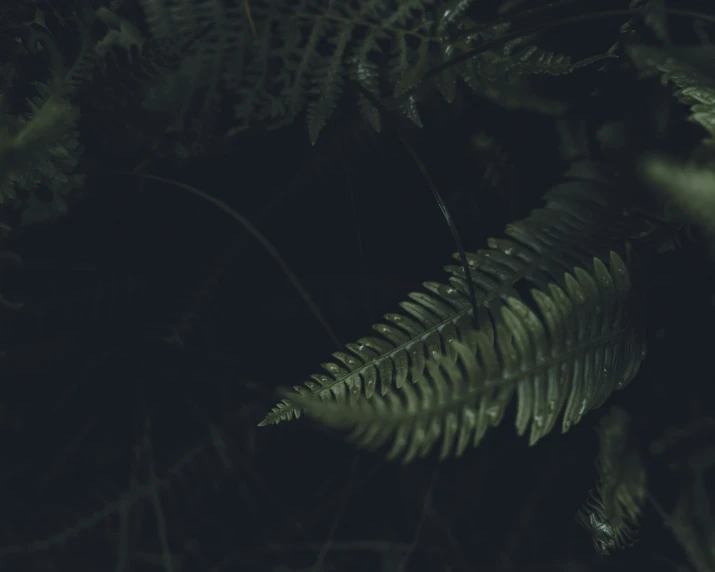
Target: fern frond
(578, 224)
(566, 354)
(329, 79)
(612, 511)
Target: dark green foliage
(604, 115)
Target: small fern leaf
(365, 72)
(612, 511)
(296, 92)
(409, 74)
(329, 85)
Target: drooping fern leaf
(571, 344)
(568, 354)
